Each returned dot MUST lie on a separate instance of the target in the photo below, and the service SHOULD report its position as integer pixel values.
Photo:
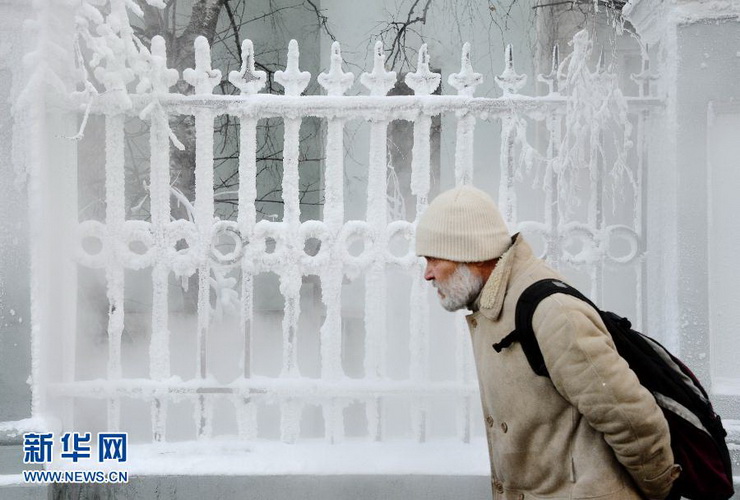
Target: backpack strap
(525, 307)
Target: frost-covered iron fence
(566, 143)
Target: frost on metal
(228, 258)
(335, 81)
(248, 80)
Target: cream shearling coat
(591, 431)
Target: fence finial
(510, 81)
(159, 78)
(466, 80)
(380, 81)
(248, 80)
(551, 79)
(293, 79)
(423, 81)
(203, 77)
(335, 81)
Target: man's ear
(484, 264)
(485, 268)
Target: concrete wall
(692, 206)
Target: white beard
(460, 289)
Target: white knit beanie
(462, 224)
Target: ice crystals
(293, 79)
(423, 81)
(380, 81)
(335, 81)
(248, 80)
(466, 80)
(203, 77)
(510, 81)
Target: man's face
(457, 286)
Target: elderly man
(590, 430)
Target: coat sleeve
(589, 373)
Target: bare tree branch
(323, 19)
(400, 30)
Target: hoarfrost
(595, 109)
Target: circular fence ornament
(227, 245)
(269, 238)
(623, 234)
(536, 231)
(579, 233)
(354, 232)
(400, 250)
(316, 239)
(92, 249)
(137, 251)
(183, 240)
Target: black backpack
(697, 434)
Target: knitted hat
(463, 225)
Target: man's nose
(428, 272)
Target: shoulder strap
(525, 307)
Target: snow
(203, 78)
(423, 81)
(692, 12)
(510, 81)
(466, 80)
(228, 457)
(379, 81)
(248, 80)
(335, 81)
(17, 428)
(293, 79)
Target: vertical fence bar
(465, 82)
(334, 219)
(204, 206)
(291, 276)
(464, 149)
(640, 217)
(419, 303)
(336, 82)
(375, 279)
(159, 191)
(639, 220)
(246, 220)
(597, 170)
(115, 217)
(596, 217)
(552, 205)
(203, 78)
(507, 193)
(331, 278)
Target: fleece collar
(491, 298)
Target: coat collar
(491, 299)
